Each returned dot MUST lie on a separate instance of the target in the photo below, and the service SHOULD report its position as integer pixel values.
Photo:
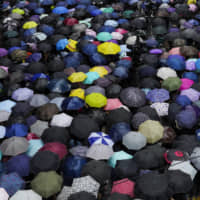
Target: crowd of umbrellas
(99, 99)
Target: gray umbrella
(38, 100)
(85, 183)
(14, 146)
(189, 33)
(134, 140)
(4, 115)
(65, 193)
(99, 152)
(38, 127)
(95, 89)
(133, 97)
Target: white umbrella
(26, 195)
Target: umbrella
(100, 138)
(3, 52)
(172, 84)
(11, 182)
(7, 105)
(186, 83)
(134, 140)
(62, 120)
(38, 100)
(138, 118)
(72, 103)
(102, 71)
(158, 95)
(40, 186)
(152, 130)
(29, 25)
(26, 195)
(82, 195)
(22, 167)
(98, 170)
(124, 186)
(38, 127)
(166, 72)
(59, 85)
(61, 44)
(3, 194)
(4, 115)
(55, 147)
(86, 184)
(77, 77)
(99, 152)
(108, 48)
(120, 155)
(14, 146)
(34, 146)
(194, 157)
(104, 36)
(191, 93)
(18, 55)
(133, 97)
(96, 100)
(79, 151)
(60, 10)
(22, 94)
(161, 108)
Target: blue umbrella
(35, 57)
(49, 30)
(59, 86)
(100, 138)
(71, 2)
(89, 49)
(158, 95)
(47, 2)
(121, 72)
(17, 129)
(98, 59)
(72, 103)
(29, 32)
(61, 44)
(12, 182)
(38, 76)
(39, 11)
(60, 10)
(176, 62)
(108, 29)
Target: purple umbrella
(22, 94)
(3, 52)
(192, 94)
(158, 95)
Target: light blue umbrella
(7, 105)
(61, 44)
(91, 77)
(120, 155)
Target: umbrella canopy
(55, 147)
(87, 184)
(11, 182)
(3, 194)
(108, 48)
(62, 120)
(100, 138)
(14, 146)
(38, 100)
(104, 36)
(96, 100)
(40, 186)
(152, 130)
(194, 157)
(134, 140)
(79, 151)
(26, 195)
(124, 186)
(120, 155)
(22, 94)
(172, 84)
(99, 152)
(166, 72)
(133, 97)
(158, 95)
(29, 25)
(77, 77)
(60, 10)
(191, 93)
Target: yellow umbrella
(29, 25)
(108, 48)
(77, 77)
(18, 11)
(100, 70)
(191, 2)
(96, 100)
(78, 93)
(71, 46)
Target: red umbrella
(32, 136)
(124, 186)
(55, 147)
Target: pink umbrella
(55, 147)
(175, 51)
(113, 104)
(5, 68)
(124, 186)
(186, 84)
(90, 32)
(192, 7)
(121, 30)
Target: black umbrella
(36, 67)
(82, 196)
(55, 65)
(55, 134)
(151, 112)
(99, 170)
(44, 161)
(44, 47)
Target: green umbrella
(152, 130)
(47, 184)
(172, 83)
(108, 10)
(104, 36)
(128, 14)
